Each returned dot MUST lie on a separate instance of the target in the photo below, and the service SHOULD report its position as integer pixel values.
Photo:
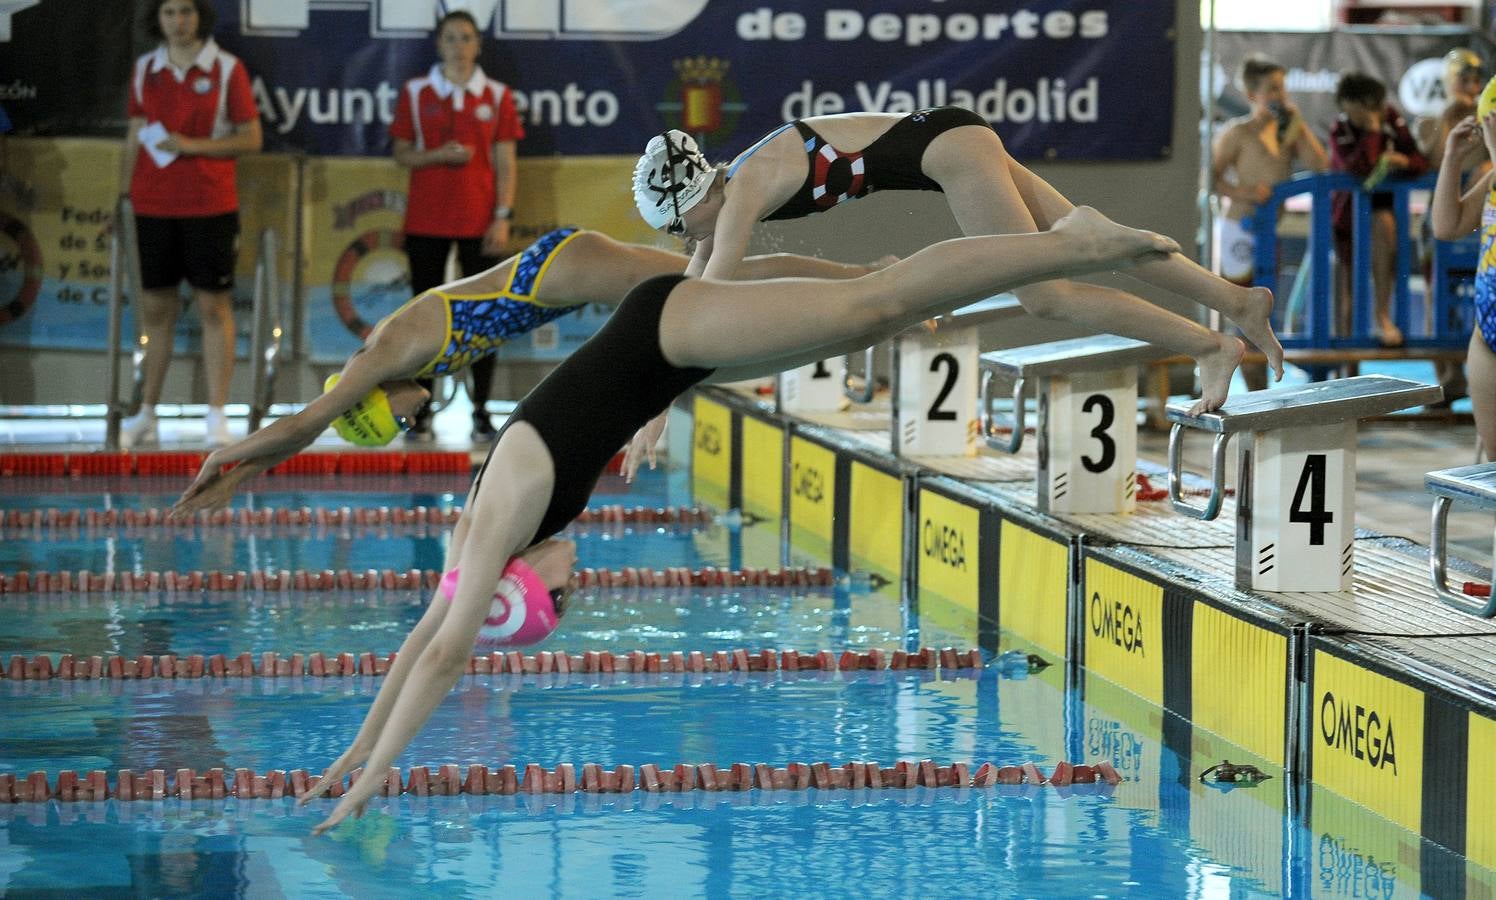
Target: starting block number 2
(938, 395)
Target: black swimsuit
(594, 401)
(890, 163)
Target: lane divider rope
(271, 664)
(477, 779)
(44, 521)
(380, 462)
(196, 581)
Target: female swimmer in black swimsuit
(812, 165)
(669, 333)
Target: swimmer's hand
(354, 757)
(642, 447)
(213, 487)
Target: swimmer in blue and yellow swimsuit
(813, 165)
(443, 330)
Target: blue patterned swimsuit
(478, 324)
(1485, 273)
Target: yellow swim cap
(370, 422)
(1487, 100)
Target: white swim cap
(670, 178)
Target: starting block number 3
(1296, 530)
(938, 394)
(1088, 442)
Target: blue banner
(1059, 79)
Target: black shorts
(202, 249)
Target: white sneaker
(140, 429)
(218, 428)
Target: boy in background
(1253, 153)
(1369, 137)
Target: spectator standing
(1253, 153)
(455, 129)
(1464, 76)
(1457, 212)
(191, 114)
(1370, 141)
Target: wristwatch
(503, 212)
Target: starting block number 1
(814, 388)
(1088, 442)
(1296, 530)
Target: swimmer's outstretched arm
(504, 512)
(285, 437)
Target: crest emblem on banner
(702, 100)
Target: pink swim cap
(523, 612)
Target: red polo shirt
(454, 201)
(205, 101)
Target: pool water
(1160, 833)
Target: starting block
(1088, 430)
(935, 380)
(817, 387)
(1296, 475)
(1472, 486)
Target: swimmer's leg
(754, 328)
(978, 178)
(1249, 307)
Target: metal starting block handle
(985, 419)
(1472, 486)
(869, 385)
(1318, 404)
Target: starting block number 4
(814, 388)
(937, 394)
(1088, 442)
(1295, 528)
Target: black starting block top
(1470, 485)
(1320, 403)
(1099, 353)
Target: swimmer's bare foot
(1100, 240)
(1254, 318)
(1216, 368)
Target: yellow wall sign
(1033, 586)
(949, 550)
(1124, 629)
(711, 451)
(1239, 681)
(1480, 793)
(763, 468)
(875, 534)
(812, 490)
(1367, 739)
(1355, 853)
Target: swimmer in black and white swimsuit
(812, 165)
(670, 333)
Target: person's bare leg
(984, 199)
(1383, 263)
(1481, 370)
(773, 325)
(216, 310)
(158, 312)
(1250, 308)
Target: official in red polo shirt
(191, 114)
(455, 130)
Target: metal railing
(267, 333)
(1444, 324)
(124, 279)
